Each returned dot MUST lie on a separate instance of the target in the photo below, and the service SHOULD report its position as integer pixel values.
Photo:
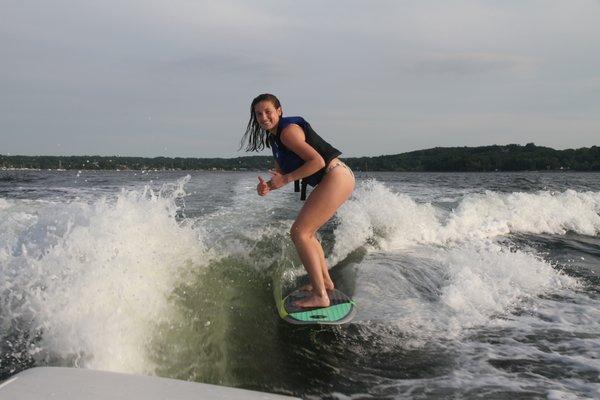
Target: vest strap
(303, 192)
(302, 189)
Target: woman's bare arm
(294, 139)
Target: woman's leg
(324, 268)
(335, 188)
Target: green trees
(512, 157)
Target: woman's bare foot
(308, 287)
(314, 300)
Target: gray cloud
(373, 77)
(229, 64)
(468, 64)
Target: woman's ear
(279, 111)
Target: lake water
(467, 285)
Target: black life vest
(289, 161)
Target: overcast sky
(175, 77)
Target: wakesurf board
(341, 310)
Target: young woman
(301, 154)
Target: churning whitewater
(466, 284)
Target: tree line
(512, 157)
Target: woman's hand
(263, 187)
(277, 180)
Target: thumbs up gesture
(263, 187)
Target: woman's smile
(267, 115)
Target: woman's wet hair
(255, 138)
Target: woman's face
(267, 115)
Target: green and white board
(340, 311)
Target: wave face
(88, 281)
(466, 284)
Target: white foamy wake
(493, 214)
(394, 220)
(376, 213)
(94, 279)
(428, 291)
(4, 204)
(484, 280)
(433, 271)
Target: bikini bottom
(337, 163)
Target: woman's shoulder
(285, 121)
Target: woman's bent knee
(300, 235)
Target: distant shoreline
(549, 171)
(509, 158)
